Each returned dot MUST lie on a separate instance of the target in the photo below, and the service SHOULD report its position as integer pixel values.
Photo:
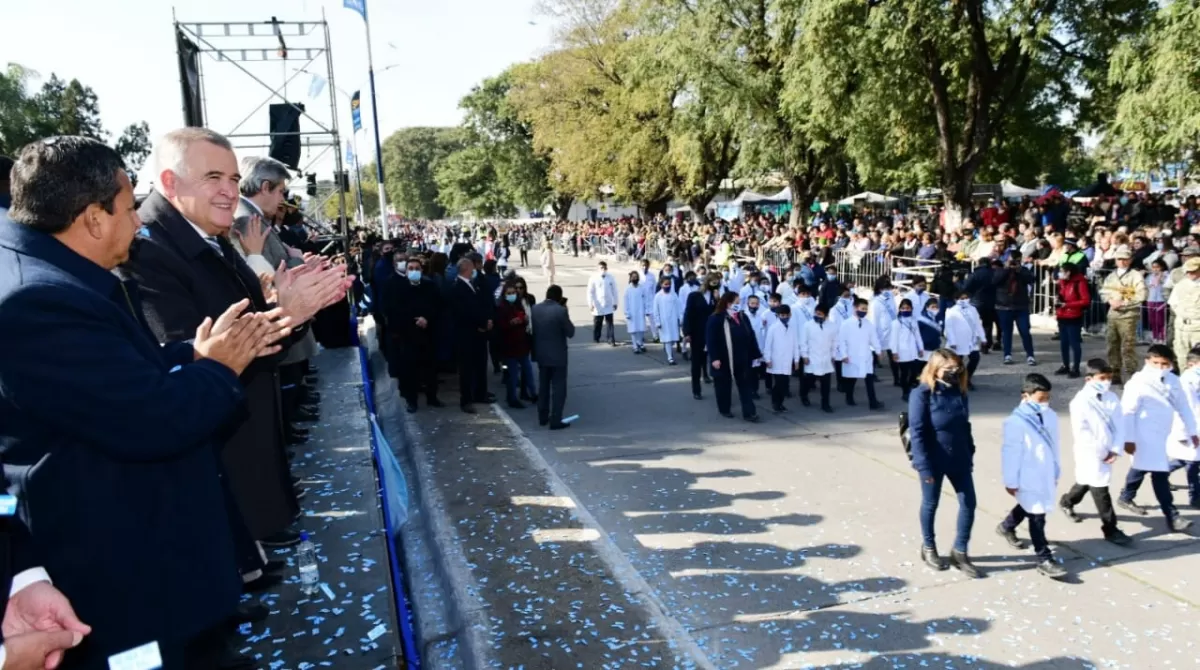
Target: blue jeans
(1021, 318)
(520, 369)
(931, 493)
(1070, 341)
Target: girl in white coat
(761, 318)
(1183, 453)
(667, 317)
(883, 314)
(1152, 400)
(964, 332)
(1030, 465)
(906, 347)
(817, 343)
(635, 312)
(1099, 434)
(857, 346)
(781, 354)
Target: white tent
(1011, 190)
(783, 196)
(869, 198)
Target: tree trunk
(957, 186)
(657, 206)
(803, 192)
(562, 206)
(697, 205)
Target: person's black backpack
(905, 441)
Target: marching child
(1099, 433)
(907, 347)
(1030, 464)
(817, 342)
(781, 354)
(858, 344)
(1182, 451)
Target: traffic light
(343, 178)
(311, 188)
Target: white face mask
(964, 303)
(1040, 406)
(1101, 385)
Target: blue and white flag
(359, 6)
(316, 86)
(355, 112)
(349, 154)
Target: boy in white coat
(602, 301)
(667, 317)
(1184, 455)
(760, 317)
(1099, 432)
(781, 354)
(635, 312)
(817, 343)
(857, 346)
(964, 332)
(907, 347)
(1030, 465)
(1153, 399)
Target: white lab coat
(1098, 430)
(782, 349)
(787, 294)
(684, 291)
(760, 321)
(883, 315)
(817, 344)
(842, 311)
(857, 342)
(1180, 442)
(1152, 399)
(802, 312)
(964, 330)
(649, 286)
(905, 340)
(602, 294)
(635, 309)
(667, 316)
(1029, 458)
(748, 291)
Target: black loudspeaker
(285, 133)
(189, 80)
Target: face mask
(833, 275)
(1101, 386)
(918, 289)
(862, 314)
(933, 313)
(414, 276)
(753, 310)
(796, 274)
(713, 286)
(474, 274)
(634, 281)
(905, 315)
(784, 320)
(819, 319)
(666, 288)
(1039, 406)
(844, 301)
(511, 297)
(964, 303)
(735, 308)
(603, 273)
(887, 292)
(1064, 274)
(951, 376)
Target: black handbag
(905, 440)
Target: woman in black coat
(732, 347)
(942, 447)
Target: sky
(427, 55)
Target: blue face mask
(905, 315)
(414, 276)
(511, 297)
(784, 320)
(860, 313)
(474, 274)
(819, 319)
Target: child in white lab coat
(1185, 456)
(635, 312)
(964, 333)
(781, 354)
(667, 317)
(906, 347)
(817, 343)
(1099, 435)
(857, 346)
(1154, 399)
(1030, 466)
(760, 317)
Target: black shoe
(1052, 569)
(1010, 536)
(1069, 511)
(267, 581)
(468, 409)
(295, 440)
(1062, 370)
(274, 565)
(1074, 374)
(543, 422)
(708, 380)
(697, 396)
(304, 416)
(877, 405)
(752, 419)
(298, 431)
(311, 398)
(560, 426)
(961, 562)
(311, 408)
(850, 401)
(1130, 506)
(929, 555)
(487, 399)
(284, 538)
(805, 401)
(1178, 524)
(434, 402)
(827, 409)
(411, 407)
(310, 380)
(516, 404)
(251, 612)
(1118, 538)
(727, 415)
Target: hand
(1110, 459)
(805, 361)
(254, 238)
(421, 322)
(266, 282)
(1011, 492)
(278, 326)
(846, 361)
(929, 480)
(38, 650)
(238, 345)
(716, 365)
(795, 366)
(305, 290)
(43, 621)
(1130, 448)
(766, 362)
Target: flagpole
(362, 215)
(383, 216)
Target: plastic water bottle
(306, 559)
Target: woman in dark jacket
(942, 448)
(1013, 283)
(732, 347)
(1073, 301)
(512, 343)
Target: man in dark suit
(552, 327)
(472, 326)
(412, 307)
(699, 307)
(188, 269)
(109, 439)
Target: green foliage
(134, 145)
(411, 157)
(370, 194)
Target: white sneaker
(1031, 360)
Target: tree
(467, 181)
(370, 194)
(134, 145)
(1158, 75)
(67, 108)
(411, 157)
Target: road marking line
(547, 535)
(544, 501)
(607, 551)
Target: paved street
(792, 543)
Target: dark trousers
(909, 371)
(1037, 530)
(779, 389)
(825, 381)
(1133, 482)
(1070, 342)
(869, 381)
(524, 258)
(1103, 500)
(837, 373)
(972, 364)
(895, 366)
(604, 320)
(552, 381)
(291, 389)
(472, 371)
(931, 495)
(699, 366)
(724, 382)
(1019, 318)
(418, 372)
(987, 315)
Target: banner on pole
(349, 155)
(316, 86)
(359, 6)
(355, 112)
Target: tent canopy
(1011, 190)
(871, 198)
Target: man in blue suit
(107, 438)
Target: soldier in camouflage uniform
(1125, 292)
(1185, 304)
(1177, 275)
